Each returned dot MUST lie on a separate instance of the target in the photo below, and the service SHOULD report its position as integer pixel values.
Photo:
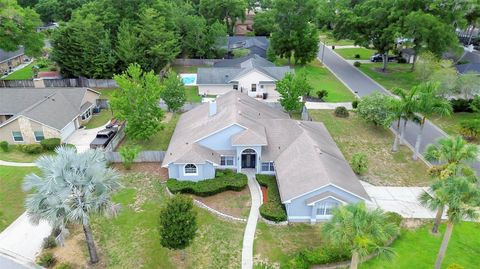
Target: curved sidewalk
(249, 235)
(5, 163)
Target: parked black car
(378, 58)
(103, 138)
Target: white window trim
(34, 136)
(190, 174)
(270, 165)
(89, 110)
(13, 137)
(325, 209)
(227, 156)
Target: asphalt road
(10, 262)
(362, 85)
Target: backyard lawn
(418, 248)
(132, 240)
(191, 93)
(320, 78)
(451, 125)
(276, 244)
(11, 194)
(105, 115)
(15, 155)
(353, 135)
(327, 38)
(180, 69)
(24, 73)
(397, 75)
(160, 140)
(349, 53)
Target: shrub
(455, 266)
(129, 154)
(226, 180)
(64, 266)
(359, 163)
(354, 104)
(475, 104)
(470, 128)
(49, 242)
(461, 105)
(4, 146)
(47, 260)
(341, 112)
(376, 108)
(357, 64)
(394, 217)
(322, 94)
(322, 255)
(357, 56)
(31, 148)
(273, 209)
(53, 68)
(401, 60)
(50, 143)
(42, 62)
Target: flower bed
(225, 180)
(272, 209)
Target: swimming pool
(189, 79)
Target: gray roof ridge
(70, 102)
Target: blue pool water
(188, 80)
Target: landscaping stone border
(211, 210)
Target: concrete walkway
(5, 163)
(363, 85)
(328, 106)
(249, 235)
(24, 238)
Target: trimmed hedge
(273, 209)
(321, 255)
(4, 146)
(50, 143)
(31, 148)
(225, 180)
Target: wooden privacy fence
(193, 62)
(143, 157)
(113, 144)
(26, 83)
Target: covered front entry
(249, 158)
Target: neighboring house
(29, 115)
(11, 59)
(251, 74)
(256, 44)
(238, 132)
(242, 27)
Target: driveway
(363, 85)
(13, 261)
(24, 239)
(82, 138)
(401, 200)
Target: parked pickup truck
(103, 138)
(379, 58)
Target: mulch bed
(264, 193)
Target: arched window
(249, 151)
(190, 169)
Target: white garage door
(67, 131)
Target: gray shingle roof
(5, 55)
(465, 68)
(305, 155)
(54, 107)
(256, 44)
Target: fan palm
(428, 103)
(71, 187)
(361, 230)
(404, 108)
(462, 197)
(455, 154)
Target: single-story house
(238, 132)
(11, 59)
(251, 74)
(256, 44)
(28, 115)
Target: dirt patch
(168, 117)
(413, 223)
(154, 169)
(380, 70)
(233, 203)
(264, 193)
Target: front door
(248, 160)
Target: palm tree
(454, 153)
(428, 103)
(404, 108)
(462, 198)
(360, 229)
(71, 187)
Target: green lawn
(349, 53)
(192, 94)
(418, 249)
(179, 69)
(11, 194)
(277, 244)
(105, 115)
(160, 140)
(328, 39)
(15, 155)
(239, 53)
(397, 75)
(451, 125)
(320, 78)
(24, 73)
(353, 135)
(131, 240)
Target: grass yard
(160, 140)
(24, 73)
(11, 194)
(15, 155)
(353, 135)
(349, 53)
(320, 78)
(191, 93)
(418, 249)
(239, 53)
(131, 240)
(105, 115)
(327, 38)
(397, 75)
(451, 125)
(180, 69)
(275, 244)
